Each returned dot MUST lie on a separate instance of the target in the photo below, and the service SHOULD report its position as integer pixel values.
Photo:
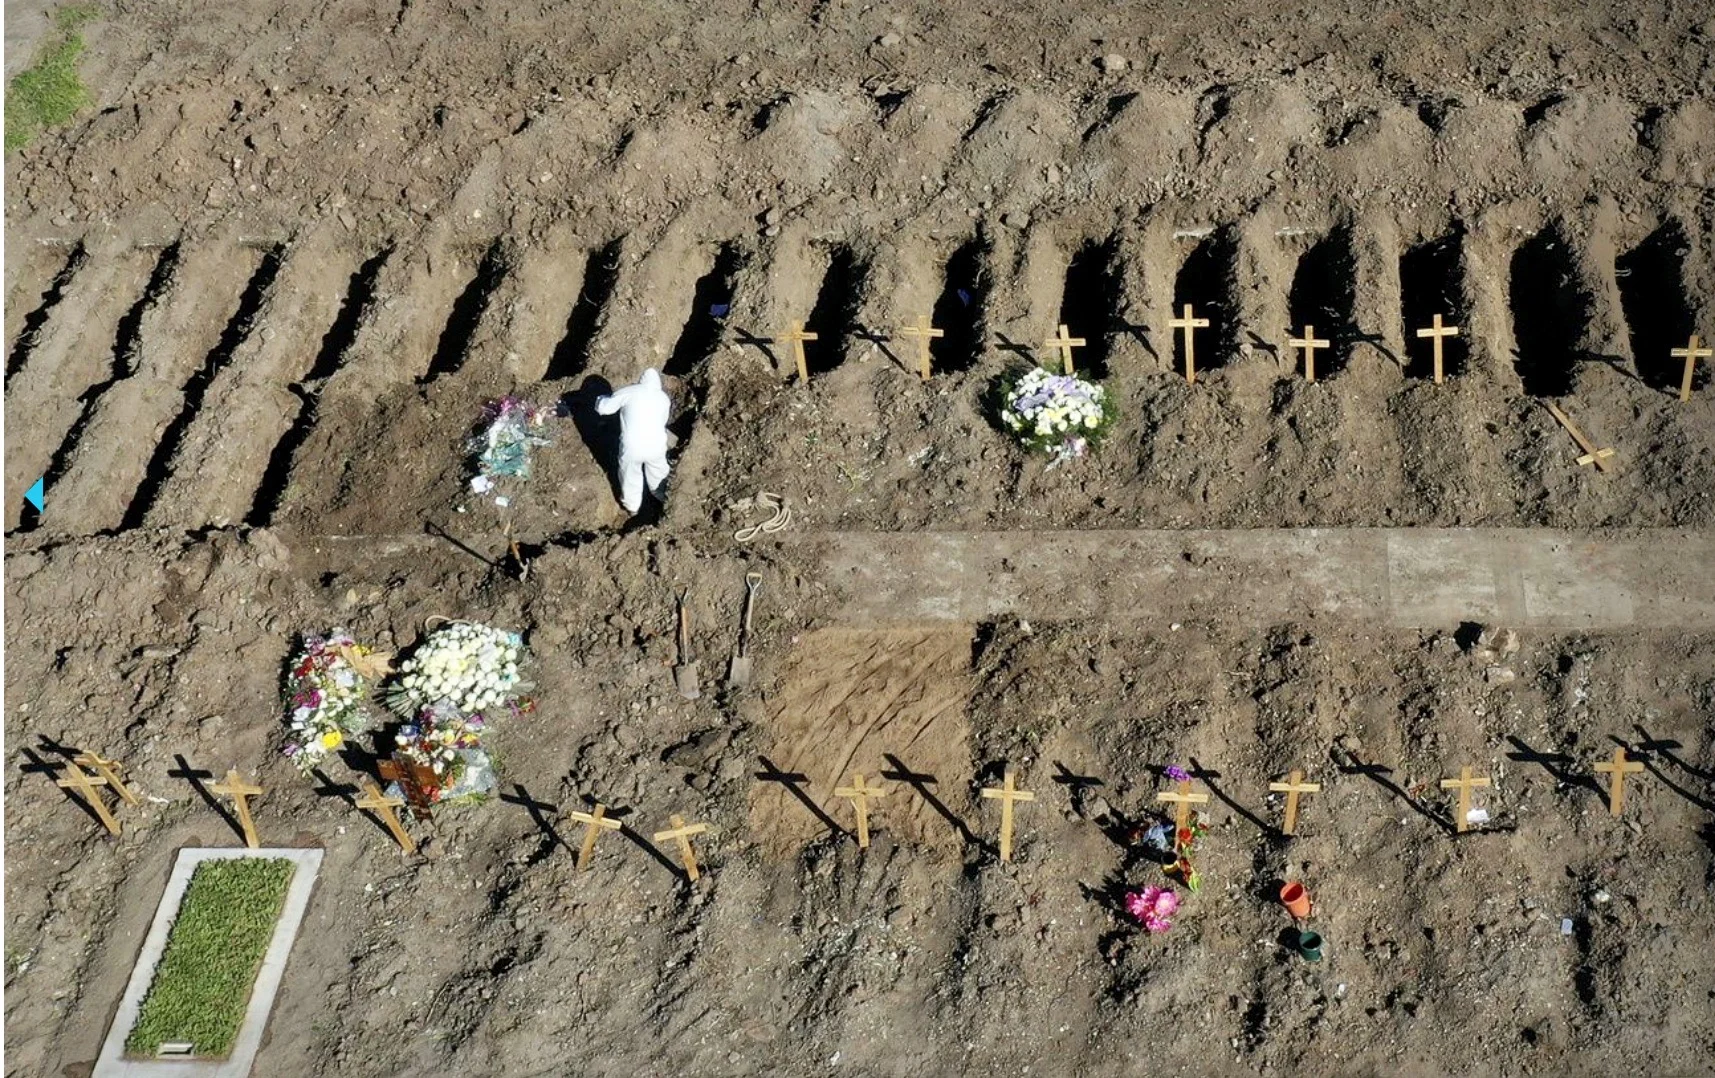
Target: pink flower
(1154, 907)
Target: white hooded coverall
(643, 412)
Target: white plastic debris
(503, 501)
(481, 484)
(1566, 926)
(1477, 816)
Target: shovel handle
(752, 581)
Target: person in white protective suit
(643, 412)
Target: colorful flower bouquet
(469, 666)
(510, 428)
(1154, 907)
(326, 688)
(1056, 415)
(449, 743)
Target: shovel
(685, 674)
(738, 674)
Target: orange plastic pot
(1296, 900)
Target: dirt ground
(256, 297)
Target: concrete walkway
(1400, 578)
(26, 22)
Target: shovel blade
(738, 674)
(685, 677)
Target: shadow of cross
(196, 777)
(747, 338)
(345, 791)
(1557, 765)
(66, 752)
(541, 813)
(880, 340)
(52, 769)
(441, 533)
(1007, 344)
(1665, 748)
(1074, 784)
(1261, 345)
(791, 781)
(623, 813)
(1378, 774)
(39, 766)
(1120, 829)
(1136, 331)
(920, 783)
(1207, 777)
(1374, 340)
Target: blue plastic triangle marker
(34, 495)
(964, 297)
(719, 310)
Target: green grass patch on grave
(49, 92)
(202, 985)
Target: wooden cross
(1691, 354)
(1064, 344)
(1292, 787)
(90, 787)
(112, 771)
(415, 779)
(241, 792)
(1189, 324)
(594, 824)
(683, 832)
(1617, 772)
(1435, 333)
(1308, 344)
(1182, 801)
(1006, 794)
(797, 336)
(1592, 455)
(383, 806)
(923, 331)
(1464, 784)
(860, 795)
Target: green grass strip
(48, 93)
(202, 984)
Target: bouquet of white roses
(1058, 415)
(325, 690)
(464, 664)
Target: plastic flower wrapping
(1154, 907)
(510, 428)
(467, 665)
(326, 688)
(1057, 415)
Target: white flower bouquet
(327, 685)
(465, 665)
(1057, 415)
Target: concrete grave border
(112, 1062)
